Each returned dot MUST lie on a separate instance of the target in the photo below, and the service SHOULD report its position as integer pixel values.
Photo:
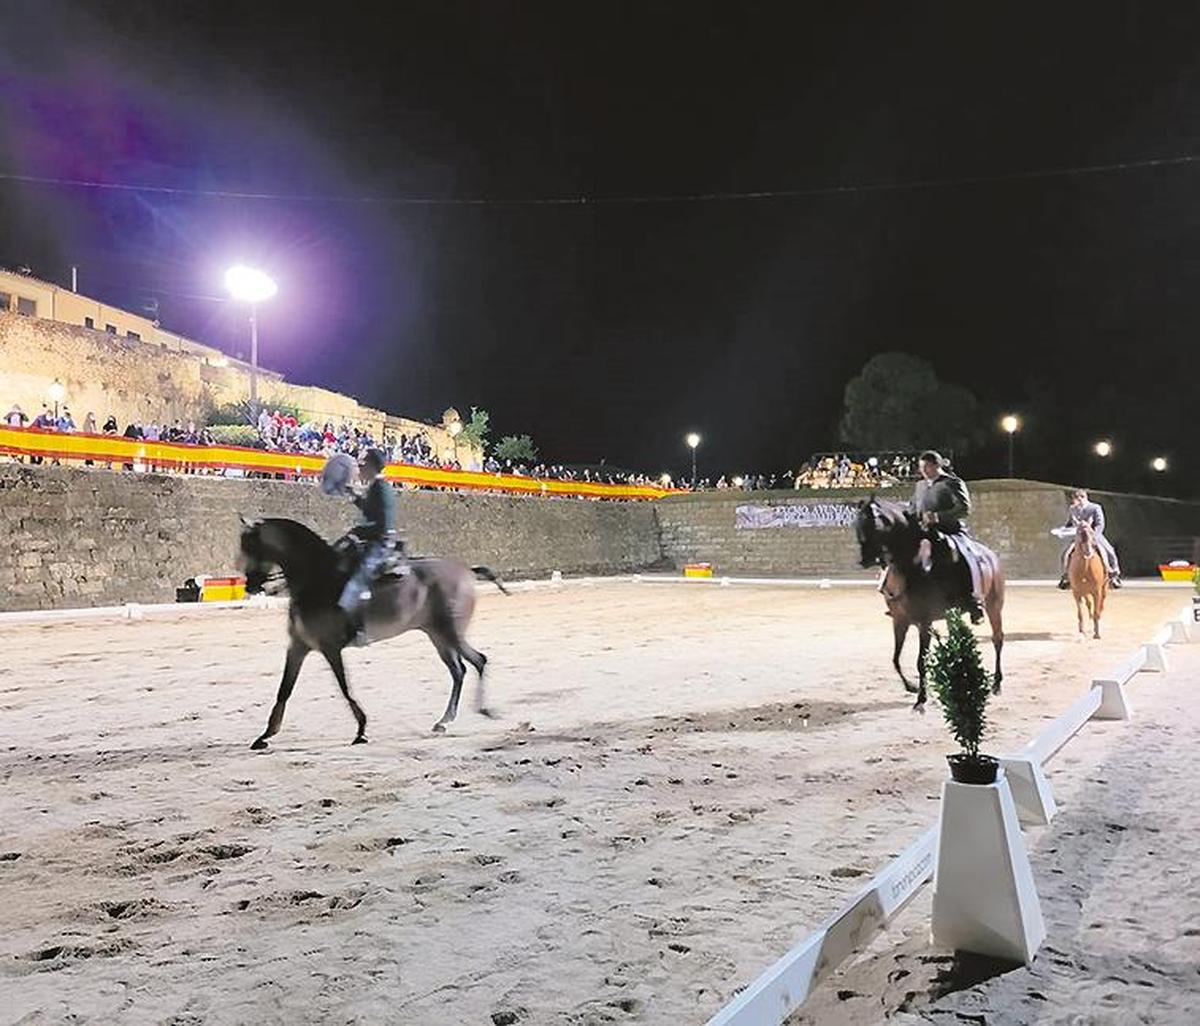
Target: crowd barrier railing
(181, 457)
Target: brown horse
(436, 596)
(890, 536)
(1088, 576)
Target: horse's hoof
(259, 744)
(491, 714)
(912, 689)
(360, 740)
(919, 707)
(439, 728)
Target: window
(133, 335)
(26, 307)
(110, 328)
(5, 300)
(88, 322)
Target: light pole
(693, 440)
(1011, 425)
(56, 392)
(248, 285)
(455, 430)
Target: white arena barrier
(779, 991)
(784, 987)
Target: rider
(942, 502)
(375, 530)
(1092, 513)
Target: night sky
(911, 141)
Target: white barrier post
(1113, 703)
(1156, 658)
(984, 900)
(1181, 633)
(1030, 790)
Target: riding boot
(1114, 580)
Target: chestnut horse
(890, 536)
(1088, 576)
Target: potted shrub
(955, 672)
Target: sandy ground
(684, 782)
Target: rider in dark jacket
(942, 502)
(375, 529)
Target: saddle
(352, 550)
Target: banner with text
(795, 514)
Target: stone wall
(90, 537)
(1013, 517)
(160, 381)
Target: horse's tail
(484, 574)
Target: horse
(890, 536)
(436, 596)
(1088, 576)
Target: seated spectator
(45, 420)
(89, 423)
(16, 417)
(110, 426)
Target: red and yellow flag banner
(177, 456)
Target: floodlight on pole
(455, 428)
(1011, 424)
(1159, 463)
(250, 285)
(693, 441)
(1103, 449)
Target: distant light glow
(56, 391)
(738, 481)
(693, 439)
(249, 285)
(455, 428)
(1159, 463)
(1010, 423)
(1103, 448)
(665, 480)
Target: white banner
(796, 514)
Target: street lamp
(693, 440)
(455, 429)
(248, 285)
(1159, 463)
(1103, 449)
(1010, 424)
(56, 392)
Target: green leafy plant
(519, 448)
(475, 431)
(956, 674)
(1196, 579)
(238, 412)
(235, 434)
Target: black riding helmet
(374, 458)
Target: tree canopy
(896, 403)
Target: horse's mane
(303, 538)
(894, 514)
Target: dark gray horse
(890, 536)
(436, 596)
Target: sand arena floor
(684, 782)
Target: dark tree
(897, 402)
